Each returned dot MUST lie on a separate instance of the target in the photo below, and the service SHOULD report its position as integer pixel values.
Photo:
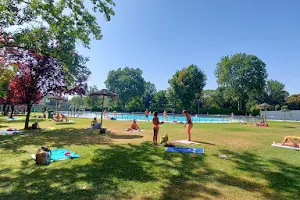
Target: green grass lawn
(123, 165)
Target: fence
(168, 118)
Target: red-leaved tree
(37, 75)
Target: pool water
(169, 118)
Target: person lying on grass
(261, 124)
(57, 118)
(134, 126)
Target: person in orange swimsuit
(188, 123)
(156, 124)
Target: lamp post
(198, 101)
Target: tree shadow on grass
(3, 126)
(117, 136)
(283, 178)
(188, 183)
(32, 120)
(205, 143)
(64, 123)
(141, 172)
(117, 172)
(102, 178)
(53, 138)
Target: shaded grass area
(125, 165)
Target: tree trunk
(12, 111)
(27, 116)
(240, 104)
(5, 109)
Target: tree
(293, 102)
(275, 93)
(126, 82)
(77, 101)
(37, 75)
(6, 74)
(186, 84)
(160, 100)
(93, 102)
(135, 104)
(53, 28)
(64, 18)
(243, 76)
(207, 98)
(150, 90)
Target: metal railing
(168, 118)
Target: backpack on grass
(42, 157)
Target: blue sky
(162, 36)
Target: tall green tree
(53, 28)
(243, 76)
(275, 93)
(148, 96)
(65, 18)
(5, 76)
(77, 101)
(293, 102)
(126, 82)
(135, 104)
(186, 84)
(207, 98)
(93, 102)
(160, 101)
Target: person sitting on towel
(64, 117)
(95, 124)
(57, 118)
(134, 126)
(35, 126)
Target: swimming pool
(168, 118)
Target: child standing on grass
(156, 124)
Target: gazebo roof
(105, 92)
(264, 106)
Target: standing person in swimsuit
(146, 113)
(156, 124)
(165, 116)
(188, 122)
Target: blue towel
(60, 154)
(185, 150)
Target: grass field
(124, 165)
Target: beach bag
(42, 157)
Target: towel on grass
(66, 122)
(185, 150)
(62, 154)
(185, 142)
(6, 132)
(13, 119)
(134, 130)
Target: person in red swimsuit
(156, 124)
(188, 123)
